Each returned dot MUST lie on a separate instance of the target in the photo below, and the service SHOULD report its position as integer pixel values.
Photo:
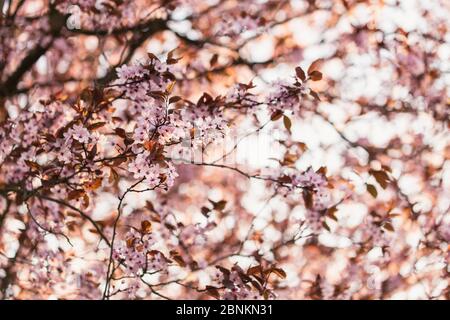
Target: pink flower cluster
(247, 20)
(194, 234)
(310, 179)
(207, 124)
(236, 288)
(139, 80)
(143, 168)
(315, 186)
(239, 95)
(285, 96)
(100, 14)
(136, 254)
(372, 231)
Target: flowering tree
(224, 149)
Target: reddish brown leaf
(75, 194)
(146, 226)
(315, 75)
(300, 73)
(254, 270)
(331, 213)
(314, 95)
(121, 132)
(314, 66)
(220, 205)
(174, 99)
(205, 211)
(214, 60)
(381, 177)
(308, 198)
(388, 226)
(372, 190)
(213, 292)
(113, 176)
(94, 184)
(33, 165)
(96, 125)
(279, 272)
(287, 123)
(276, 115)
